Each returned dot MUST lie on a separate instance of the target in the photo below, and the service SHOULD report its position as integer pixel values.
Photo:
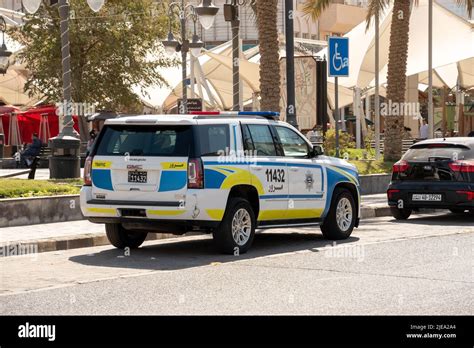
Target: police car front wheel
(342, 216)
(121, 238)
(237, 229)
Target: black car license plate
(427, 197)
(137, 177)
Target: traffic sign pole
(338, 66)
(336, 114)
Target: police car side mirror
(317, 150)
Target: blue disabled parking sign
(338, 56)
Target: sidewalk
(81, 234)
(41, 173)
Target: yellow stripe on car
(101, 164)
(279, 214)
(165, 212)
(343, 172)
(215, 214)
(102, 210)
(174, 165)
(242, 177)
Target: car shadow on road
(448, 219)
(174, 254)
(442, 218)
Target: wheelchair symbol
(339, 63)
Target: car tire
(121, 238)
(400, 213)
(342, 215)
(457, 211)
(236, 231)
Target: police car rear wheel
(341, 217)
(121, 238)
(237, 229)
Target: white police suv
(222, 173)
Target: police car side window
(248, 142)
(262, 140)
(293, 144)
(213, 139)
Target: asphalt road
(421, 266)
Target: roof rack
(270, 115)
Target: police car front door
(269, 171)
(306, 198)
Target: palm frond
(467, 4)
(375, 8)
(314, 8)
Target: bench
(406, 144)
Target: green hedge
(17, 188)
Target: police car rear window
(166, 141)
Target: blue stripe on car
(101, 178)
(172, 180)
(213, 179)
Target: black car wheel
(400, 213)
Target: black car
(434, 173)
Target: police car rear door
(269, 168)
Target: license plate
(137, 177)
(429, 197)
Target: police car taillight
(87, 171)
(195, 174)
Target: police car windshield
(166, 141)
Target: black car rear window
(166, 141)
(425, 152)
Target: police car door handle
(294, 169)
(255, 167)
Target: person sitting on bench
(32, 150)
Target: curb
(100, 239)
(67, 243)
(12, 175)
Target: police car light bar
(266, 114)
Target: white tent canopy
(213, 74)
(453, 41)
(13, 82)
(447, 75)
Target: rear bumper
(194, 211)
(451, 199)
(155, 225)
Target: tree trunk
(269, 53)
(396, 79)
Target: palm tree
(269, 54)
(397, 61)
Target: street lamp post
(4, 52)
(206, 12)
(65, 160)
(290, 65)
(231, 14)
(430, 71)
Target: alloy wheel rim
(344, 214)
(241, 227)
